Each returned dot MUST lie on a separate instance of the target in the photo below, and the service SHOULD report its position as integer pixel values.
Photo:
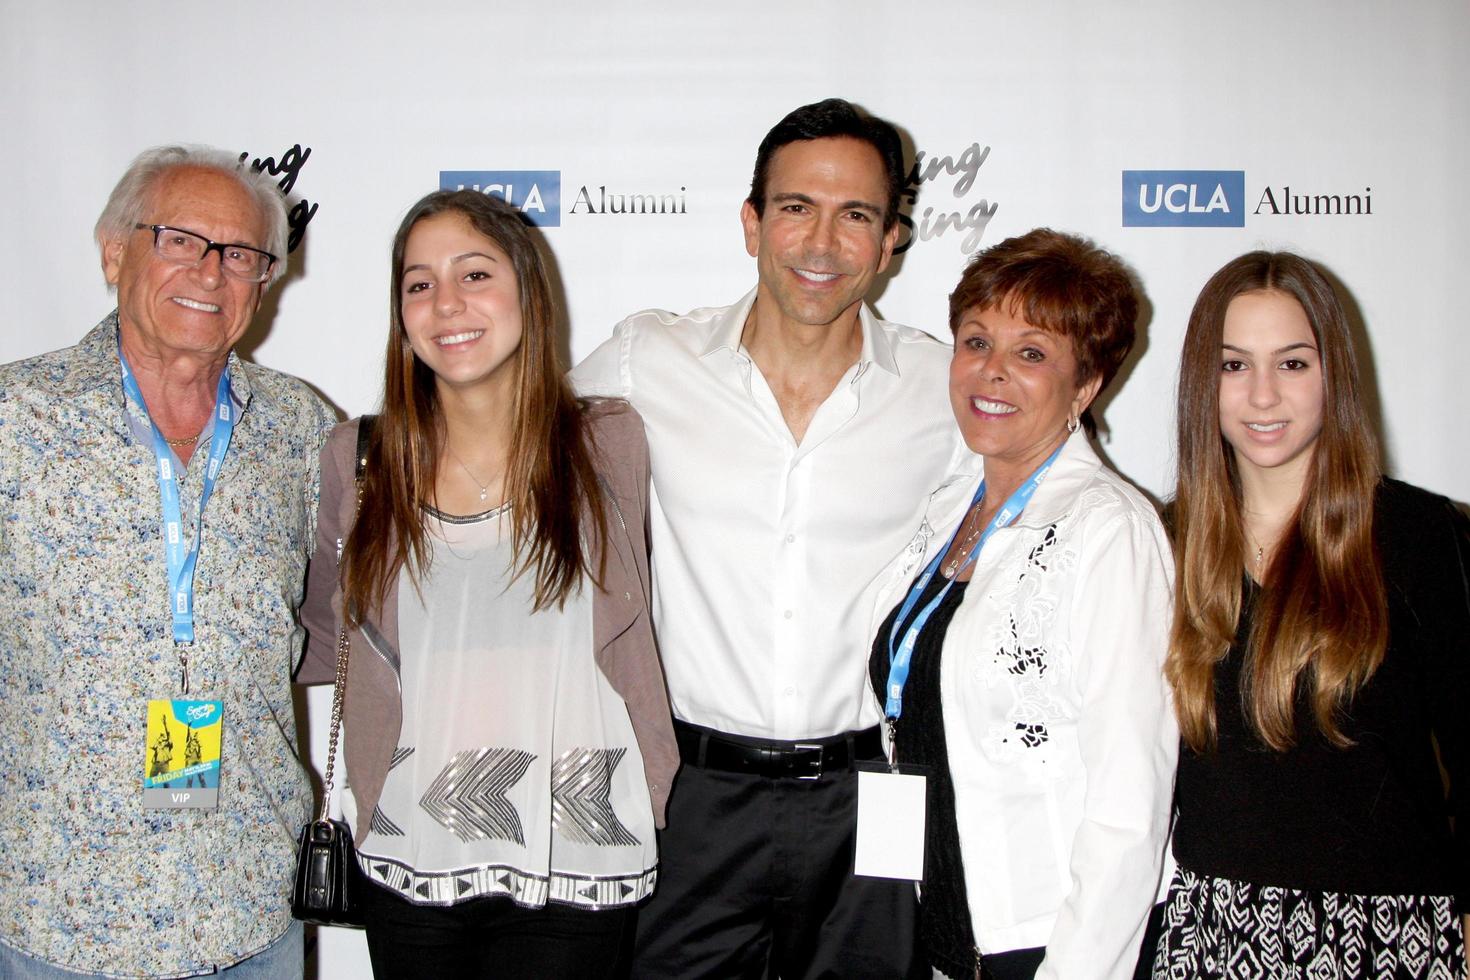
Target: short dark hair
(1061, 283)
(824, 120)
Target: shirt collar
(94, 364)
(1054, 499)
(1059, 492)
(877, 343)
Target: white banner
(1337, 129)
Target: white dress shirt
(1057, 718)
(767, 553)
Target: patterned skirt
(1216, 927)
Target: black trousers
(1022, 964)
(494, 937)
(755, 881)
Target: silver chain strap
(338, 689)
(337, 692)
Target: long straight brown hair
(551, 483)
(1321, 618)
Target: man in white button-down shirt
(795, 439)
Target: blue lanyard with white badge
(181, 562)
(898, 659)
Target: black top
(1371, 819)
(944, 914)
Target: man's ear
(751, 223)
(890, 239)
(112, 252)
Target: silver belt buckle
(798, 746)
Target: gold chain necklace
(953, 567)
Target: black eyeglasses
(190, 248)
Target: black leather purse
(327, 876)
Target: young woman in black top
(1320, 653)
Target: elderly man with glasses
(157, 495)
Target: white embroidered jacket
(1060, 729)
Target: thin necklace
(181, 443)
(1259, 562)
(482, 484)
(965, 545)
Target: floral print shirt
(89, 880)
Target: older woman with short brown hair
(1021, 660)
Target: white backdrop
(1053, 102)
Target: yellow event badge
(181, 763)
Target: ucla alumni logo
(1184, 198)
(537, 193)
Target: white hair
(133, 194)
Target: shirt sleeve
(1449, 687)
(606, 372)
(1129, 740)
(322, 422)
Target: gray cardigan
(622, 625)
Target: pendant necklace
(484, 487)
(954, 563)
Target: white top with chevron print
(517, 772)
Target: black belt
(709, 749)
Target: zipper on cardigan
(612, 497)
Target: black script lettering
(300, 216)
(291, 163)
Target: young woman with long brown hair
(507, 735)
(1320, 652)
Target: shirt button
(788, 614)
(790, 538)
(791, 692)
(628, 596)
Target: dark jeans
(494, 937)
(755, 881)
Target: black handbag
(327, 876)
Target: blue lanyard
(181, 562)
(898, 660)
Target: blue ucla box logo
(1184, 198)
(537, 193)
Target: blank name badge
(890, 830)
